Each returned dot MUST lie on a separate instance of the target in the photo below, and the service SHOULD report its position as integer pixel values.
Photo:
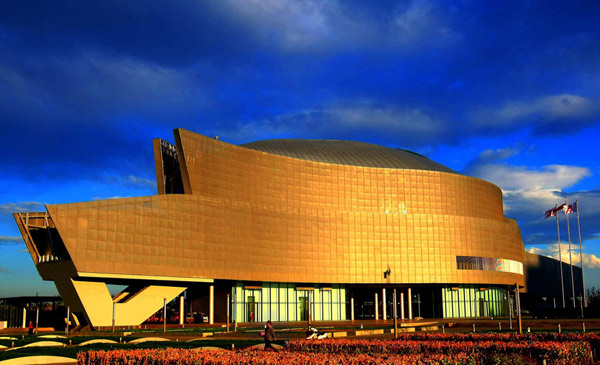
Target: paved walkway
(296, 330)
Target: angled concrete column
(211, 300)
(410, 304)
(402, 305)
(376, 307)
(384, 301)
(98, 304)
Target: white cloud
(309, 25)
(536, 183)
(531, 202)
(131, 181)
(550, 177)
(98, 84)
(408, 126)
(528, 208)
(589, 260)
(548, 109)
(417, 121)
(296, 25)
(19, 94)
(22, 207)
(500, 154)
(528, 192)
(140, 181)
(421, 21)
(552, 107)
(10, 239)
(108, 83)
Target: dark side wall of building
(542, 280)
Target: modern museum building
(283, 229)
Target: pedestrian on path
(269, 336)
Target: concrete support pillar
(395, 312)
(410, 304)
(309, 309)
(352, 306)
(24, 318)
(181, 310)
(227, 320)
(211, 301)
(376, 307)
(68, 320)
(402, 305)
(384, 302)
(164, 316)
(518, 299)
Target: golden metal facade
(295, 220)
(251, 215)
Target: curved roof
(347, 153)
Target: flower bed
(414, 349)
(556, 352)
(184, 357)
(592, 338)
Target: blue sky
(506, 91)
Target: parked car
(196, 317)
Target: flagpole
(562, 284)
(581, 255)
(570, 262)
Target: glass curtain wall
(474, 301)
(287, 302)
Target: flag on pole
(550, 212)
(568, 209)
(574, 207)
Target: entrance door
(484, 308)
(251, 309)
(303, 308)
(367, 310)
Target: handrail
(23, 227)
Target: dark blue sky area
(506, 91)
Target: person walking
(269, 336)
(30, 328)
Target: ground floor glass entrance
(259, 302)
(288, 302)
(474, 301)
